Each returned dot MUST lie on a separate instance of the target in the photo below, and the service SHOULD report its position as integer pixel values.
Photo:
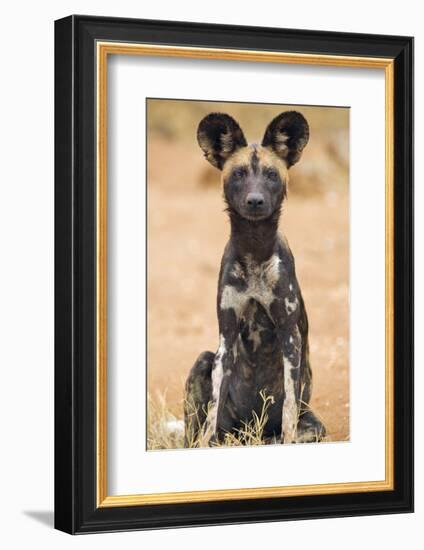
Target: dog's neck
(254, 238)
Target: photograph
(247, 274)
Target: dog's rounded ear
(219, 136)
(287, 135)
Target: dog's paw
(310, 429)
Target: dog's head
(254, 176)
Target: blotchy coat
(263, 351)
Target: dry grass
(159, 417)
(166, 431)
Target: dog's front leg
(221, 373)
(292, 348)
(290, 343)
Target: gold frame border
(119, 48)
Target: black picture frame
(76, 508)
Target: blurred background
(188, 229)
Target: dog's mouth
(255, 216)
(255, 213)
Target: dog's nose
(255, 199)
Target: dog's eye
(238, 173)
(272, 174)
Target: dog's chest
(253, 281)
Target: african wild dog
(263, 327)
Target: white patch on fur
(271, 270)
(217, 376)
(218, 372)
(235, 348)
(255, 338)
(290, 406)
(290, 409)
(231, 298)
(260, 278)
(237, 271)
(290, 306)
(254, 332)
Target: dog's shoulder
(285, 255)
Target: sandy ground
(187, 232)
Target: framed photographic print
(234, 269)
